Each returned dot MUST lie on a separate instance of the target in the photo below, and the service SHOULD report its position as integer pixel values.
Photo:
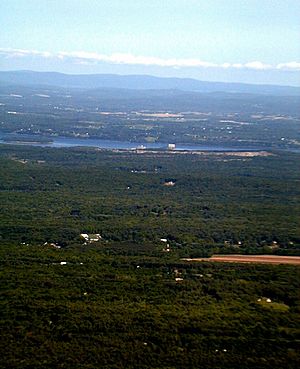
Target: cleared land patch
(262, 259)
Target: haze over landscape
(149, 184)
(253, 41)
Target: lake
(61, 141)
(32, 140)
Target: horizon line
(148, 75)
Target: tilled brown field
(262, 259)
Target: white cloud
(292, 66)
(130, 59)
(257, 65)
(83, 57)
(12, 53)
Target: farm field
(257, 259)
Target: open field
(247, 154)
(261, 259)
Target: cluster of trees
(123, 302)
(69, 308)
(219, 203)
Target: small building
(169, 183)
(91, 237)
(171, 146)
(95, 237)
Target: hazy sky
(235, 40)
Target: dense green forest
(216, 202)
(120, 296)
(71, 308)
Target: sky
(256, 41)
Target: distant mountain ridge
(138, 82)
